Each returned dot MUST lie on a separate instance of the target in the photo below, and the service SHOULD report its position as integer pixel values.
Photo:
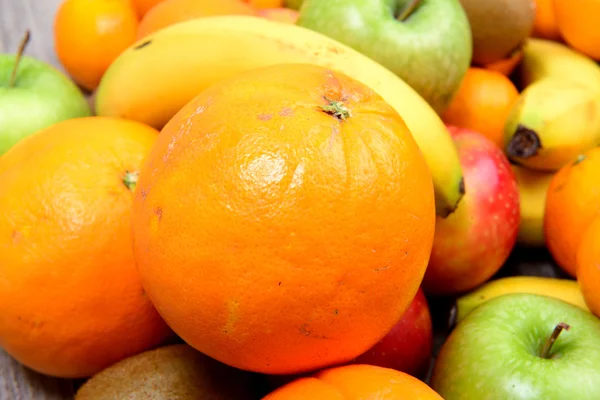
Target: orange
(508, 65)
(143, 6)
(90, 34)
(169, 12)
(71, 299)
(588, 266)
(544, 23)
(483, 103)
(572, 201)
(263, 4)
(284, 219)
(579, 25)
(286, 15)
(355, 382)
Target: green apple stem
(408, 10)
(548, 345)
(21, 49)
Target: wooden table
(19, 383)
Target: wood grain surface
(19, 383)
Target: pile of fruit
(256, 200)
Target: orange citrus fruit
(588, 266)
(579, 24)
(169, 12)
(143, 6)
(72, 300)
(284, 219)
(544, 24)
(90, 34)
(483, 103)
(355, 382)
(572, 201)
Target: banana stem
(408, 10)
(21, 49)
(548, 345)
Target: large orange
(90, 34)
(483, 103)
(355, 382)
(544, 24)
(579, 24)
(572, 201)
(71, 300)
(588, 266)
(284, 219)
(169, 12)
(265, 4)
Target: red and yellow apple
(408, 345)
(473, 243)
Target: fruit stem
(20, 50)
(548, 345)
(524, 144)
(337, 109)
(130, 180)
(408, 10)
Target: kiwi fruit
(499, 27)
(173, 372)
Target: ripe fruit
(265, 4)
(355, 382)
(498, 27)
(544, 24)
(508, 65)
(572, 201)
(588, 266)
(473, 243)
(273, 231)
(169, 12)
(577, 22)
(482, 103)
(143, 6)
(408, 345)
(90, 34)
(72, 301)
(170, 372)
(280, 14)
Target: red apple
(473, 243)
(286, 15)
(408, 345)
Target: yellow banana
(545, 58)
(533, 186)
(566, 290)
(554, 120)
(155, 77)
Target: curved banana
(155, 77)
(566, 290)
(546, 58)
(554, 120)
(533, 186)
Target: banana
(544, 58)
(533, 186)
(152, 79)
(566, 290)
(554, 120)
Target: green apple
(293, 4)
(511, 347)
(427, 43)
(34, 95)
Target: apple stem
(548, 345)
(21, 49)
(408, 10)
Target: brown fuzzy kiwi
(499, 27)
(174, 372)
